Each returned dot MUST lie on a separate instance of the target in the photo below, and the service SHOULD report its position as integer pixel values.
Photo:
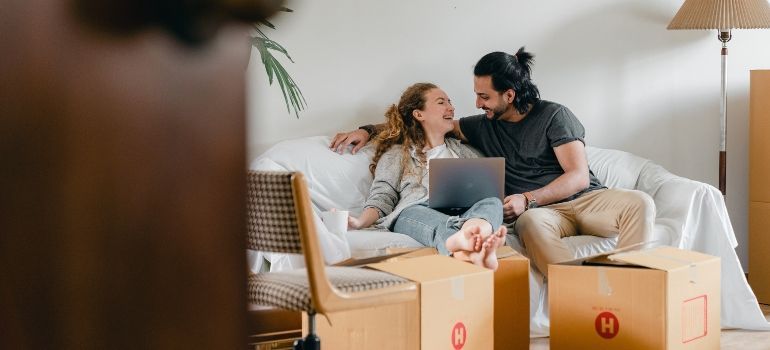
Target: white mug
(336, 220)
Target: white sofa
(689, 215)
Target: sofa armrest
(691, 213)
(696, 217)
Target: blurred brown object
(123, 190)
(191, 21)
(267, 324)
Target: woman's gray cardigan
(391, 192)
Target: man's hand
(513, 206)
(341, 141)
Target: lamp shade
(722, 14)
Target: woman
(415, 133)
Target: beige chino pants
(628, 214)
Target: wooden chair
(280, 219)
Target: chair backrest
(280, 219)
(272, 224)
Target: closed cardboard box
(511, 300)
(661, 298)
(397, 326)
(456, 301)
(392, 326)
(454, 311)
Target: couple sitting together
(550, 192)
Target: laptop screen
(458, 183)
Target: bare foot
(494, 241)
(463, 255)
(477, 258)
(500, 233)
(487, 256)
(467, 239)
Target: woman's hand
(355, 223)
(367, 218)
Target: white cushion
(334, 180)
(615, 169)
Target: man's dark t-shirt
(527, 145)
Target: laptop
(455, 184)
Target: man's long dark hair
(511, 72)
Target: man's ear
(509, 95)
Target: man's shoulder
(478, 118)
(550, 107)
(472, 125)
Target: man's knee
(643, 203)
(532, 223)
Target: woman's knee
(489, 209)
(491, 202)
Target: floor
(731, 340)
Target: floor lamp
(722, 15)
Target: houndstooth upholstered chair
(280, 220)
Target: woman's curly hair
(402, 128)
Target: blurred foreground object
(123, 189)
(190, 21)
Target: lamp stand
(724, 37)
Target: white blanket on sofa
(689, 215)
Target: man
(550, 191)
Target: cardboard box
(511, 300)
(454, 310)
(391, 254)
(661, 298)
(511, 304)
(393, 326)
(408, 253)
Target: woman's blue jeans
(432, 228)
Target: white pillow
(615, 169)
(334, 180)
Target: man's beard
(497, 113)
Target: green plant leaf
(292, 95)
(266, 23)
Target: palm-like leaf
(292, 95)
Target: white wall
(635, 85)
